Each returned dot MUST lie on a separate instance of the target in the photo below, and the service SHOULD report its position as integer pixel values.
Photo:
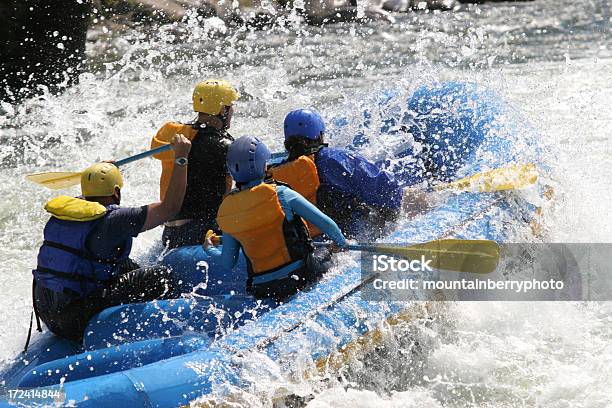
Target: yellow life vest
(302, 176)
(255, 218)
(75, 209)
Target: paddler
(266, 220)
(83, 263)
(207, 179)
(343, 184)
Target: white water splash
(486, 354)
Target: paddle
(458, 255)
(506, 178)
(512, 177)
(57, 180)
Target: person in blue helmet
(361, 197)
(266, 220)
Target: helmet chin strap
(223, 116)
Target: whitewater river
(551, 59)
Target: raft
(172, 352)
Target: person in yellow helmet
(83, 264)
(207, 179)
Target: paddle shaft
(142, 155)
(279, 155)
(353, 247)
(515, 176)
(350, 247)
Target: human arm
(353, 174)
(170, 205)
(305, 209)
(229, 255)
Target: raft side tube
(105, 361)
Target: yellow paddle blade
(458, 255)
(507, 178)
(55, 180)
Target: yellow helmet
(212, 95)
(100, 180)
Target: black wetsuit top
(206, 174)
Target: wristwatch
(181, 161)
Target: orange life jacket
(255, 218)
(302, 176)
(163, 137)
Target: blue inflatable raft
(169, 353)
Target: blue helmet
(246, 159)
(306, 123)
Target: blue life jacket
(65, 263)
